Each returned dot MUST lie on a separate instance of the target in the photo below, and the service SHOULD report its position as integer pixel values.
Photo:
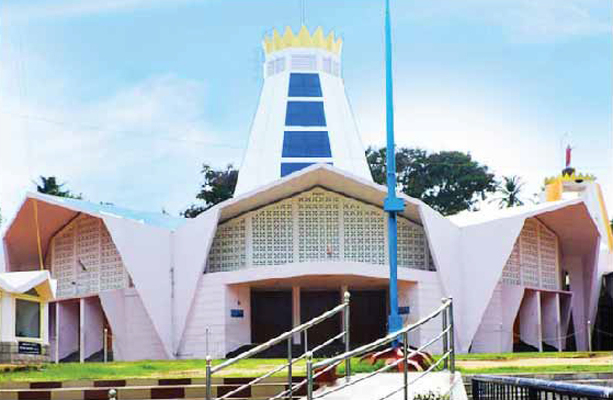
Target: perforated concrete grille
(534, 259)
(84, 259)
(315, 226)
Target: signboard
(404, 310)
(29, 348)
(237, 313)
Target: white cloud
(141, 148)
(524, 20)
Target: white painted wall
(93, 326)
(134, 335)
(69, 328)
(530, 319)
(489, 336)
(7, 318)
(206, 322)
(550, 318)
(238, 330)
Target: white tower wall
(305, 137)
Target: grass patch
(518, 356)
(546, 369)
(258, 367)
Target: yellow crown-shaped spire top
(302, 39)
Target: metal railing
(487, 387)
(285, 337)
(402, 336)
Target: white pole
(105, 345)
(81, 330)
(57, 332)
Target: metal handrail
(448, 357)
(384, 340)
(563, 388)
(287, 336)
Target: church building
(306, 224)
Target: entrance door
(368, 317)
(271, 314)
(315, 303)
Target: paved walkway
(378, 387)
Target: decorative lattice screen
(364, 231)
(84, 259)
(534, 259)
(315, 226)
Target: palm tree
(509, 192)
(49, 185)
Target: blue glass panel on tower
(289, 168)
(306, 144)
(305, 113)
(304, 85)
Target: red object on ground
(419, 361)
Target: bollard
(589, 335)
(290, 380)
(106, 345)
(208, 378)
(445, 322)
(112, 394)
(309, 371)
(451, 337)
(347, 299)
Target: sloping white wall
(191, 245)
(205, 329)
(511, 300)
(489, 336)
(146, 253)
(134, 335)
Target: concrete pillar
(57, 332)
(296, 312)
(81, 330)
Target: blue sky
(125, 99)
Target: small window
(27, 319)
(306, 144)
(305, 113)
(304, 85)
(289, 168)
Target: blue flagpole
(393, 205)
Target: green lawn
(253, 367)
(515, 356)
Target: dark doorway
(271, 314)
(368, 316)
(315, 303)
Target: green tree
(218, 185)
(448, 181)
(509, 192)
(49, 185)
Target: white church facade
(305, 225)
